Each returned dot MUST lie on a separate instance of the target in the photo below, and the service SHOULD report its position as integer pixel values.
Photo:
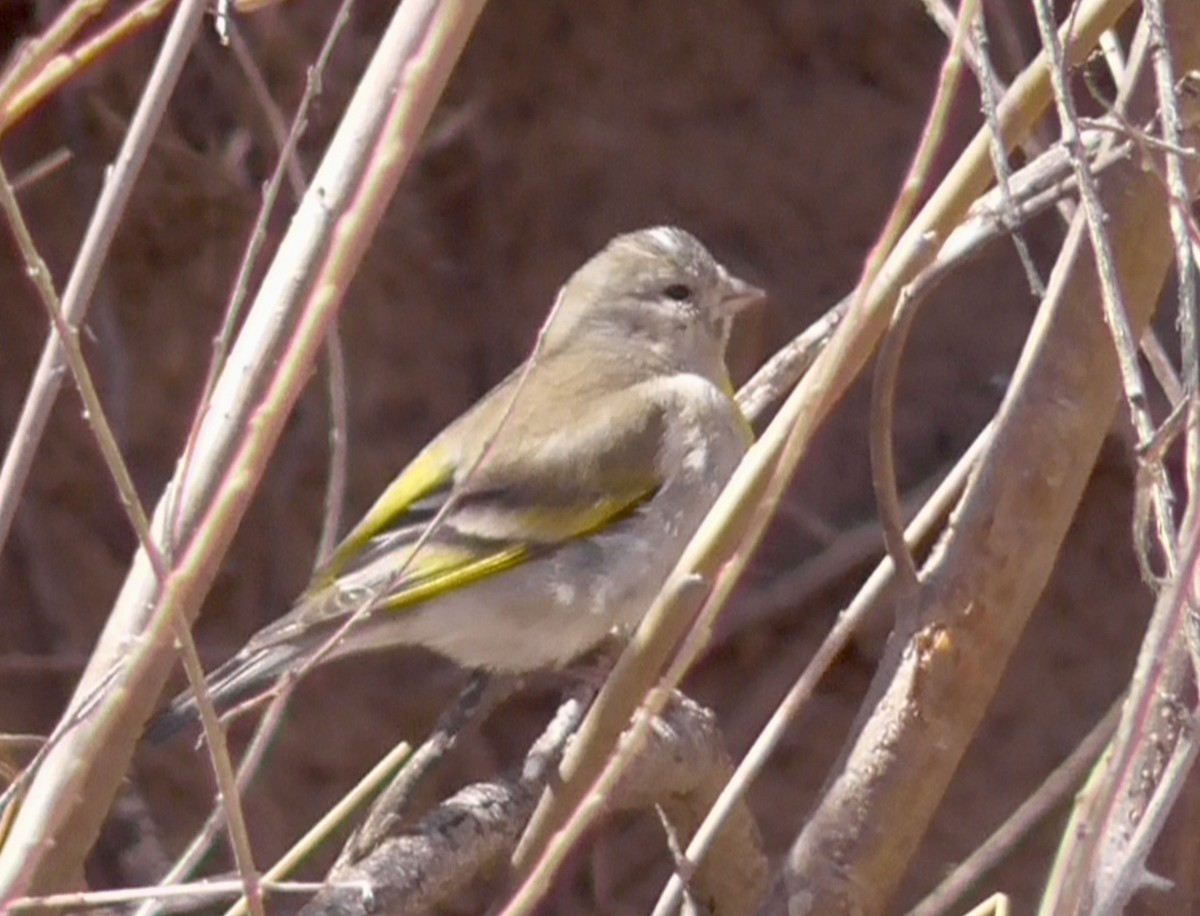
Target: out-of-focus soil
(778, 132)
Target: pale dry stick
(61, 729)
(131, 503)
(995, 905)
(191, 857)
(899, 219)
(946, 20)
(278, 126)
(1151, 347)
(258, 233)
(990, 89)
(24, 90)
(39, 273)
(52, 74)
(339, 425)
(1112, 298)
(1101, 861)
(32, 664)
(335, 357)
(262, 379)
(1153, 487)
(228, 796)
(110, 207)
(1114, 56)
(40, 170)
(883, 469)
(33, 54)
(1115, 123)
(1167, 432)
(1162, 367)
(1171, 122)
(1053, 791)
(784, 442)
(781, 372)
(883, 457)
(197, 894)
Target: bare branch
(58, 820)
(415, 869)
(983, 582)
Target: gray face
(658, 290)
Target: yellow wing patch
(451, 572)
(431, 471)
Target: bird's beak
(737, 295)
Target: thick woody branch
(980, 588)
(679, 771)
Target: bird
(560, 502)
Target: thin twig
(198, 893)
(336, 816)
(1054, 789)
(278, 344)
(864, 604)
(118, 186)
(335, 359)
(33, 55)
(473, 704)
(990, 89)
(883, 465)
(1113, 301)
(31, 175)
(883, 459)
(285, 163)
(1181, 228)
(98, 422)
(848, 550)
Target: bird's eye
(678, 291)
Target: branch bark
(680, 770)
(981, 586)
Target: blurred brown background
(777, 131)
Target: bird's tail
(246, 675)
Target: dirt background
(777, 132)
